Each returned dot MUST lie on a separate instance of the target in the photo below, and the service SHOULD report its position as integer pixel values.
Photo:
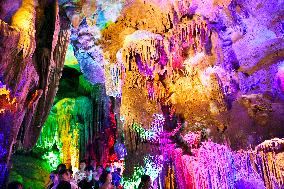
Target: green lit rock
(30, 171)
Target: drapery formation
(217, 166)
(81, 127)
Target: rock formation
(210, 66)
(33, 47)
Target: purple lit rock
(33, 80)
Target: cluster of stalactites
(217, 166)
(63, 130)
(273, 164)
(151, 54)
(145, 53)
(114, 78)
(190, 34)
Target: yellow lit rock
(24, 21)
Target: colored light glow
(120, 150)
(217, 166)
(89, 55)
(157, 125)
(211, 166)
(3, 151)
(144, 133)
(144, 46)
(280, 76)
(24, 20)
(66, 133)
(3, 171)
(156, 128)
(153, 166)
(111, 9)
(53, 159)
(118, 164)
(133, 181)
(7, 102)
(70, 59)
(192, 138)
(74, 149)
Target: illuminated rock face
(85, 34)
(80, 117)
(216, 63)
(32, 56)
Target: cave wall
(33, 47)
(30, 178)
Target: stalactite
(217, 166)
